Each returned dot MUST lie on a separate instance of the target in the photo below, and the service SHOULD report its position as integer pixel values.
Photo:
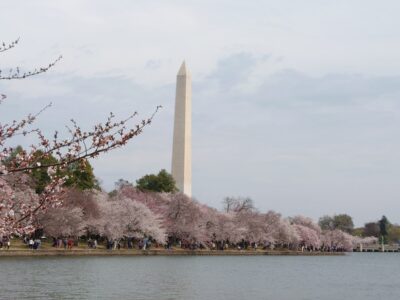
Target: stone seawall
(31, 253)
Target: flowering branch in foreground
(80, 146)
(18, 201)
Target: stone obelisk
(182, 145)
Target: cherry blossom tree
(62, 222)
(287, 235)
(225, 228)
(271, 225)
(16, 196)
(72, 216)
(364, 240)
(338, 240)
(124, 217)
(156, 202)
(184, 219)
(309, 232)
(251, 223)
(76, 148)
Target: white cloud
(295, 102)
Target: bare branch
(5, 47)
(16, 73)
(102, 139)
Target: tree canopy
(78, 174)
(342, 222)
(81, 176)
(40, 175)
(384, 226)
(162, 182)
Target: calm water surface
(356, 276)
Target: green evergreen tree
(384, 225)
(40, 175)
(343, 222)
(13, 155)
(80, 175)
(162, 182)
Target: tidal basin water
(354, 276)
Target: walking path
(154, 252)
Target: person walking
(144, 243)
(70, 243)
(30, 243)
(37, 243)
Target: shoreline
(161, 252)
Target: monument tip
(183, 70)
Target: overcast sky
(295, 103)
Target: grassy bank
(20, 249)
(154, 252)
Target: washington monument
(182, 145)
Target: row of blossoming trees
(173, 217)
(128, 213)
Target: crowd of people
(32, 243)
(146, 243)
(66, 243)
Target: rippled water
(355, 276)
